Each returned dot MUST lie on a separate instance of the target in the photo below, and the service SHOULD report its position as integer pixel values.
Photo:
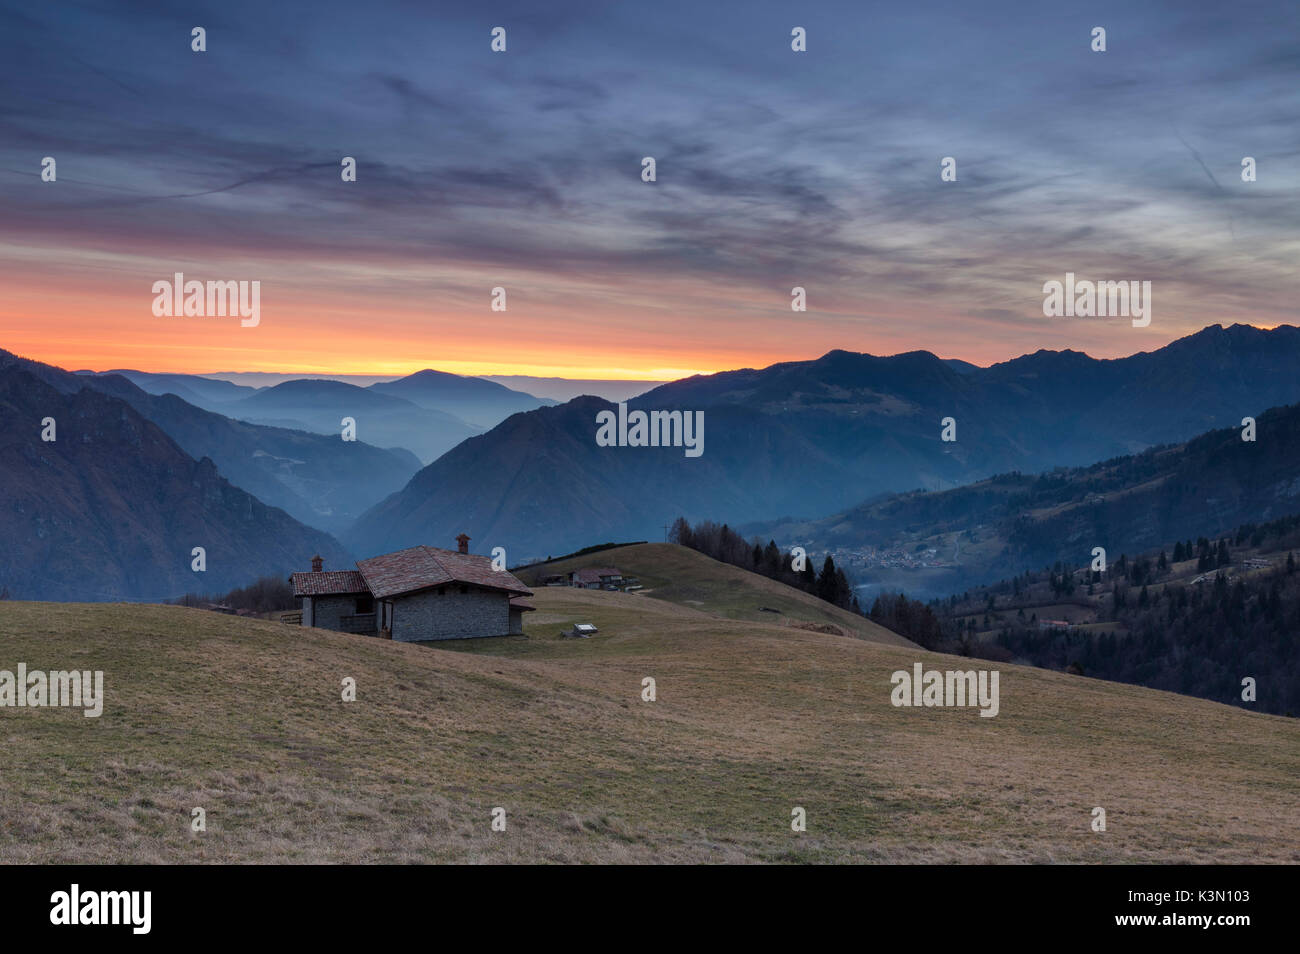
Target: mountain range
(321, 406)
(111, 508)
(814, 437)
(200, 391)
(231, 471)
(837, 435)
(319, 480)
(995, 528)
(427, 412)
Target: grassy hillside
(244, 718)
(683, 576)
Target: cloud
(775, 168)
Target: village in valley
(868, 557)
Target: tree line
(1200, 639)
(894, 611)
(722, 543)
(268, 594)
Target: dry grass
(682, 576)
(244, 718)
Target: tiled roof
(519, 603)
(422, 567)
(592, 574)
(328, 583)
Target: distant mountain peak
(313, 384)
(479, 401)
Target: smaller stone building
(338, 599)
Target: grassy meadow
(683, 576)
(244, 718)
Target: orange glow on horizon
(373, 325)
(305, 330)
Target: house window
(365, 604)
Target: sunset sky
(522, 169)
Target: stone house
(421, 593)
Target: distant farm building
(421, 593)
(1054, 624)
(596, 578)
(602, 578)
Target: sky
(522, 170)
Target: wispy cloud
(819, 169)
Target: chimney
(317, 563)
(462, 543)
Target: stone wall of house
(516, 622)
(454, 615)
(328, 609)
